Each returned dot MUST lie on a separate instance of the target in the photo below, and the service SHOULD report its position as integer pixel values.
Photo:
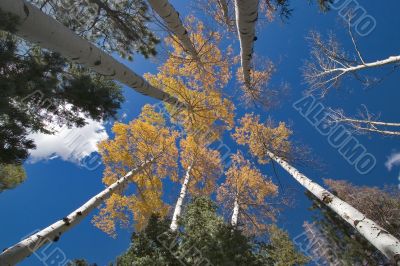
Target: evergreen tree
(280, 251)
(39, 88)
(206, 239)
(11, 176)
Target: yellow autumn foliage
(211, 70)
(205, 165)
(246, 184)
(143, 139)
(262, 137)
(204, 108)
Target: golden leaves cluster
(196, 83)
(251, 189)
(205, 165)
(261, 137)
(210, 70)
(143, 139)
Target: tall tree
(37, 27)
(266, 143)
(343, 243)
(245, 191)
(115, 26)
(11, 175)
(40, 88)
(143, 139)
(207, 114)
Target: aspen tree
(272, 143)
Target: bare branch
(329, 63)
(366, 124)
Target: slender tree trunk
(376, 235)
(246, 12)
(26, 247)
(40, 28)
(235, 215)
(171, 18)
(179, 203)
(224, 7)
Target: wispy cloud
(69, 144)
(393, 160)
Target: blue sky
(56, 187)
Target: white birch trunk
(376, 235)
(171, 18)
(26, 247)
(40, 28)
(246, 12)
(235, 215)
(179, 203)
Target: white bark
(179, 203)
(350, 69)
(235, 215)
(379, 131)
(26, 247)
(39, 28)
(376, 235)
(378, 123)
(171, 18)
(246, 12)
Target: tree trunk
(246, 12)
(39, 28)
(376, 235)
(235, 215)
(171, 17)
(26, 247)
(179, 203)
(224, 7)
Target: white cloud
(393, 160)
(69, 144)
